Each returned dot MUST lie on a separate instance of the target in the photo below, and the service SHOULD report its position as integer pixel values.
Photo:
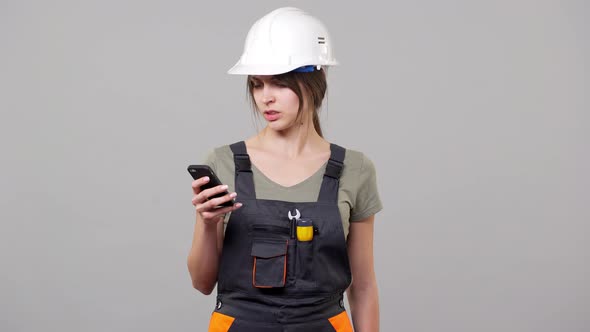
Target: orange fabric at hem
(341, 323)
(220, 322)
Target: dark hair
(315, 85)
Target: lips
(271, 115)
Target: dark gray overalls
(268, 280)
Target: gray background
(475, 114)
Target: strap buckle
(243, 163)
(334, 169)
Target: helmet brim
(242, 69)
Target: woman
(301, 230)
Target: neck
(293, 142)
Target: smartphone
(198, 171)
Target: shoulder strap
(244, 180)
(331, 180)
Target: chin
(279, 126)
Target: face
(277, 103)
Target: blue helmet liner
(305, 69)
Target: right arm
(203, 258)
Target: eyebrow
(272, 79)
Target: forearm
(364, 307)
(203, 259)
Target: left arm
(362, 293)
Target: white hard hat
(283, 40)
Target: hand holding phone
(199, 171)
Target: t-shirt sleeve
(211, 160)
(367, 201)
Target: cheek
(291, 99)
(257, 97)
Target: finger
(210, 192)
(221, 211)
(213, 204)
(204, 195)
(195, 200)
(223, 199)
(200, 199)
(196, 184)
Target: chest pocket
(269, 269)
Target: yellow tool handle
(304, 233)
(304, 230)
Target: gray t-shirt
(358, 196)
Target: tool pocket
(270, 262)
(305, 269)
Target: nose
(267, 95)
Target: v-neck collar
(261, 175)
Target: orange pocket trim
(341, 323)
(220, 322)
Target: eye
(256, 85)
(279, 84)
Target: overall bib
(271, 281)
